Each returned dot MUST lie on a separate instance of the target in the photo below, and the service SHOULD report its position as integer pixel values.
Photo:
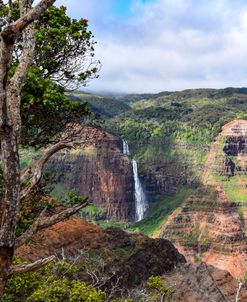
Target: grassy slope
(159, 212)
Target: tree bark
(20, 269)
(10, 123)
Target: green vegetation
(45, 109)
(192, 116)
(54, 283)
(64, 57)
(28, 156)
(111, 223)
(158, 288)
(159, 211)
(65, 281)
(106, 107)
(241, 211)
(234, 188)
(61, 45)
(171, 129)
(175, 130)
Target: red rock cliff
(99, 171)
(211, 225)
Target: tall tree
(12, 31)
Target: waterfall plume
(141, 203)
(126, 150)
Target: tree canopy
(64, 48)
(31, 40)
(63, 58)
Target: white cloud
(168, 44)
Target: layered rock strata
(211, 225)
(99, 171)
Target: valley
(172, 166)
(193, 174)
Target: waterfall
(141, 202)
(126, 150)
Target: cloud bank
(152, 46)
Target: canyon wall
(211, 225)
(99, 171)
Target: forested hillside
(169, 134)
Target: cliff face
(211, 225)
(163, 178)
(99, 171)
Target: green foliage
(233, 188)
(124, 300)
(28, 155)
(54, 291)
(63, 44)
(157, 287)
(81, 292)
(71, 199)
(30, 210)
(45, 109)
(193, 116)
(156, 283)
(21, 286)
(53, 283)
(174, 131)
(106, 107)
(64, 54)
(103, 223)
(241, 211)
(93, 213)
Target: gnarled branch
(36, 170)
(31, 266)
(13, 31)
(44, 222)
(74, 135)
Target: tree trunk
(10, 200)
(6, 255)
(10, 123)
(11, 172)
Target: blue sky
(157, 45)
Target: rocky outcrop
(99, 171)
(134, 257)
(204, 283)
(211, 224)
